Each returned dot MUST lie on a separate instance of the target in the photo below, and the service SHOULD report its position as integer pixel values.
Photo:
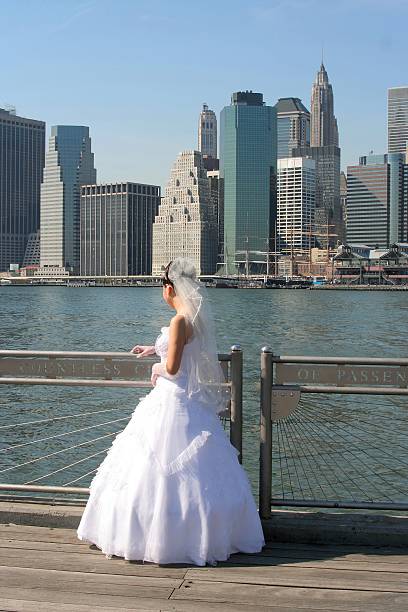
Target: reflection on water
(300, 322)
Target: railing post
(265, 446)
(236, 399)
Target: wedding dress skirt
(171, 489)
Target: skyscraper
(325, 151)
(343, 197)
(296, 198)
(69, 163)
(377, 200)
(398, 120)
(207, 132)
(22, 148)
(293, 120)
(116, 228)
(185, 224)
(248, 171)
(324, 130)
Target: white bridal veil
(205, 373)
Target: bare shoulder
(178, 323)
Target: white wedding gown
(171, 489)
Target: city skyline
(149, 136)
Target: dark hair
(165, 278)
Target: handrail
(338, 360)
(309, 433)
(84, 354)
(232, 365)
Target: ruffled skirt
(171, 489)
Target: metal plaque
(342, 375)
(79, 368)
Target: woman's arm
(177, 340)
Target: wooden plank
(19, 605)
(304, 577)
(331, 549)
(84, 586)
(89, 599)
(283, 598)
(32, 578)
(46, 534)
(337, 563)
(53, 546)
(372, 554)
(85, 563)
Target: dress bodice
(161, 347)
(162, 343)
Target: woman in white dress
(171, 489)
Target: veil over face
(206, 376)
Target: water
(364, 437)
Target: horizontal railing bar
(339, 360)
(319, 503)
(86, 355)
(350, 390)
(44, 499)
(44, 489)
(73, 382)
(79, 382)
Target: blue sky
(137, 72)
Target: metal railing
(330, 455)
(85, 369)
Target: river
(334, 445)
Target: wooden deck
(44, 570)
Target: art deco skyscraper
(324, 130)
(207, 132)
(22, 148)
(398, 120)
(69, 163)
(186, 224)
(324, 149)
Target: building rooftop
(290, 105)
(248, 98)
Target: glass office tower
(69, 163)
(248, 171)
(22, 149)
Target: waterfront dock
(49, 569)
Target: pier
(49, 569)
(336, 533)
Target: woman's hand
(143, 351)
(157, 370)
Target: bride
(171, 489)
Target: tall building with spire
(207, 132)
(324, 131)
(324, 149)
(185, 224)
